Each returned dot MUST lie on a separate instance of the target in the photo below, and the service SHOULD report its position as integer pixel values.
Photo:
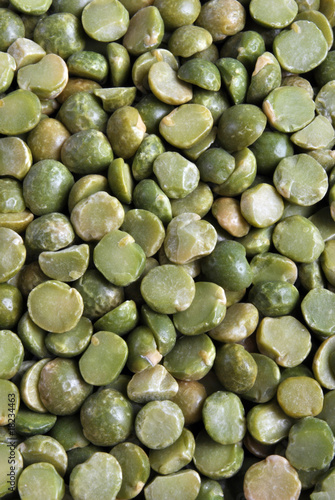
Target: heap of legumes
(167, 249)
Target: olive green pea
(11, 306)
(317, 308)
(302, 189)
(11, 28)
(227, 266)
(119, 63)
(316, 135)
(20, 112)
(88, 64)
(261, 205)
(76, 85)
(120, 320)
(9, 393)
(323, 220)
(198, 202)
(242, 176)
(311, 276)
(152, 384)
(223, 416)
(13, 253)
(325, 71)
(50, 483)
(172, 126)
(150, 148)
(146, 229)
(152, 110)
(245, 46)
(269, 149)
(176, 176)
(174, 457)
(240, 126)
(46, 140)
(159, 424)
(118, 246)
(265, 77)
(29, 386)
(65, 265)
(276, 15)
(15, 157)
(216, 102)
(82, 111)
(201, 73)
(145, 31)
(257, 240)
(77, 456)
(148, 195)
(25, 51)
(11, 354)
(235, 368)
(327, 412)
(99, 475)
(323, 485)
(186, 41)
(60, 34)
(296, 228)
(322, 364)
(142, 348)
(30, 423)
(185, 15)
(169, 487)
(215, 460)
(215, 165)
(8, 67)
(106, 417)
(69, 390)
(267, 380)
(50, 294)
(202, 145)
(234, 77)
(31, 7)
(32, 336)
(300, 397)
(68, 432)
(168, 289)
(11, 196)
(310, 444)
(268, 423)
(115, 98)
(210, 490)
(71, 343)
(125, 131)
(84, 187)
(104, 359)
(268, 265)
(240, 322)
(41, 448)
(46, 187)
(87, 152)
(190, 399)
(274, 298)
(324, 101)
(207, 310)
(142, 66)
(270, 476)
(99, 295)
(135, 467)
(161, 327)
(221, 26)
(95, 216)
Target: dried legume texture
(167, 249)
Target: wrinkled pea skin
(167, 249)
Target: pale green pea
(240, 322)
(327, 261)
(125, 131)
(169, 487)
(261, 205)
(119, 63)
(29, 386)
(216, 102)
(176, 176)
(143, 351)
(311, 276)
(316, 135)
(11, 196)
(322, 369)
(274, 14)
(65, 265)
(166, 86)
(324, 102)
(145, 31)
(105, 20)
(318, 308)
(7, 69)
(11, 354)
(48, 484)
(207, 310)
(15, 157)
(257, 240)
(13, 253)
(202, 145)
(271, 266)
(301, 179)
(172, 126)
(95, 216)
(115, 97)
(289, 109)
(174, 457)
(198, 202)
(146, 229)
(11, 27)
(154, 383)
(104, 358)
(71, 343)
(143, 63)
(44, 449)
(115, 247)
(268, 423)
(25, 51)
(20, 112)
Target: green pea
(65, 265)
(101, 474)
(82, 111)
(228, 24)
(323, 220)
(69, 390)
(71, 343)
(13, 251)
(190, 399)
(162, 328)
(11, 28)
(235, 368)
(119, 63)
(268, 423)
(300, 397)
(15, 157)
(11, 305)
(278, 15)
(186, 41)
(265, 77)
(317, 307)
(120, 320)
(29, 386)
(12, 346)
(191, 358)
(48, 483)
(324, 101)
(235, 78)
(215, 460)
(268, 265)
(170, 486)
(148, 196)
(40, 448)
(135, 467)
(198, 201)
(9, 393)
(8, 67)
(269, 149)
(185, 16)
(243, 175)
(20, 111)
(174, 457)
(240, 322)
(145, 31)
(29, 423)
(142, 349)
(105, 20)
(88, 64)
(267, 380)
(219, 409)
(152, 384)
(245, 46)
(46, 140)
(32, 336)
(216, 102)
(202, 73)
(146, 228)
(68, 432)
(125, 131)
